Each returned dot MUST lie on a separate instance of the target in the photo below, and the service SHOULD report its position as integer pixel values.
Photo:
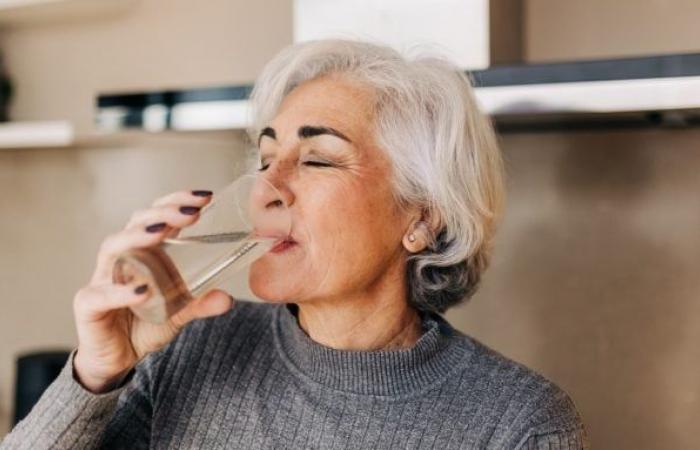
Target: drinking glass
(240, 224)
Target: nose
(278, 194)
(272, 199)
(269, 208)
(276, 203)
(267, 196)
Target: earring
(411, 237)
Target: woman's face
(320, 153)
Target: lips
(283, 245)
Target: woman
(393, 180)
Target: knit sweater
(252, 378)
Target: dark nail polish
(202, 193)
(156, 227)
(189, 210)
(141, 289)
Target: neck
(376, 317)
(361, 323)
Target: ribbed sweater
(252, 378)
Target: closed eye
(317, 164)
(264, 167)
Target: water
(181, 269)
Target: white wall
(565, 29)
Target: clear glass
(239, 225)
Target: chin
(270, 288)
(274, 282)
(269, 297)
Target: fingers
(176, 216)
(92, 302)
(174, 209)
(135, 238)
(149, 227)
(115, 245)
(118, 243)
(213, 303)
(196, 197)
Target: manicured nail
(156, 227)
(202, 193)
(189, 210)
(141, 289)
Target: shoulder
(514, 397)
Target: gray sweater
(252, 378)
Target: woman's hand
(111, 339)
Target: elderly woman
(393, 180)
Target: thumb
(213, 303)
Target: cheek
(350, 233)
(354, 232)
(349, 216)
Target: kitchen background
(596, 276)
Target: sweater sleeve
(69, 416)
(560, 440)
(562, 430)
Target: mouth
(283, 246)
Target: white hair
(444, 152)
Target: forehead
(333, 101)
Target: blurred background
(595, 280)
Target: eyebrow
(308, 131)
(305, 132)
(267, 131)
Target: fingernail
(202, 193)
(156, 227)
(141, 289)
(189, 210)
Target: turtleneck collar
(437, 352)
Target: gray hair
(444, 152)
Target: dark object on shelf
(5, 92)
(133, 105)
(35, 372)
(636, 120)
(616, 69)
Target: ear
(421, 233)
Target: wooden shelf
(16, 135)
